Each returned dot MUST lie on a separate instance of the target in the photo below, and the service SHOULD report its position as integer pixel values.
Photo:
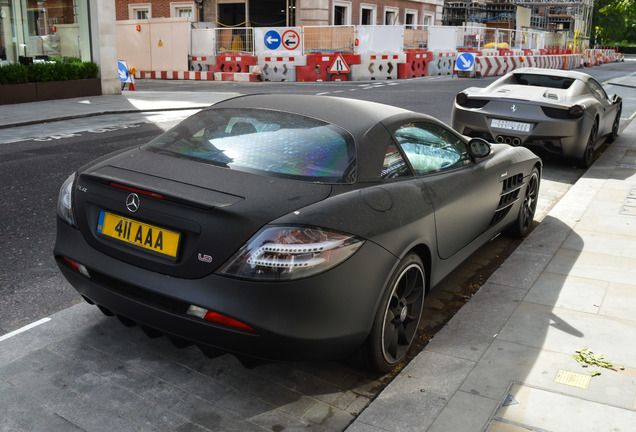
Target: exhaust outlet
(499, 139)
(516, 141)
(508, 140)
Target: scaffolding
(572, 18)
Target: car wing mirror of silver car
(478, 148)
(615, 98)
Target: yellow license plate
(149, 237)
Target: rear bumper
(564, 137)
(320, 317)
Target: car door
(607, 110)
(465, 194)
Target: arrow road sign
(291, 40)
(465, 61)
(272, 39)
(122, 69)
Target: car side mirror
(615, 98)
(478, 148)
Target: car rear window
(549, 81)
(266, 142)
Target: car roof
(354, 115)
(553, 72)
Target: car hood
(215, 209)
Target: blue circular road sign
(272, 39)
(122, 69)
(465, 61)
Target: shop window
(31, 32)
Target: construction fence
(353, 53)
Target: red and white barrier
(175, 75)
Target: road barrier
(280, 68)
(369, 53)
(416, 64)
(379, 66)
(443, 63)
(320, 67)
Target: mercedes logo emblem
(132, 202)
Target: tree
(613, 21)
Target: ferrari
(288, 227)
(561, 112)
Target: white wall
(160, 43)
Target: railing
(238, 40)
(329, 39)
(343, 39)
(416, 37)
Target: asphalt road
(33, 168)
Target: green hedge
(57, 70)
(627, 49)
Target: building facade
(33, 30)
(285, 13)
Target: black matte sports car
(288, 227)
(556, 111)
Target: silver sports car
(561, 112)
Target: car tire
(398, 316)
(614, 134)
(588, 154)
(523, 224)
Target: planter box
(52, 90)
(18, 93)
(69, 89)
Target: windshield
(265, 142)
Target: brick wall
(160, 8)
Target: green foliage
(56, 70)
(586, 358)
(13, 74)
(614, 21)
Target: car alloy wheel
(398, 316)
(588, 154)
(614, 134)
(528, 206)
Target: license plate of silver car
(510, 125)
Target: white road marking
(23, 329)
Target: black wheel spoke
(402, 311)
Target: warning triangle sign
(339, 65)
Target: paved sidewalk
(128, 102)
(505, 361)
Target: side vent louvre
(509, 195)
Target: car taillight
(80, 268)
(576, 111)
(218, 318)
(287, 253)
(461, 98)
(65, 202)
